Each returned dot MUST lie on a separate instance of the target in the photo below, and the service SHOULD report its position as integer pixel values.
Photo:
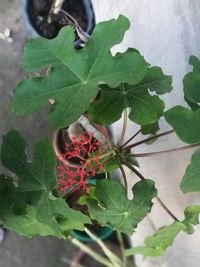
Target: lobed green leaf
(30, 208)
(191, 179)
(145, 109)
(186, 123)
(75, 74)
(118, 211)
(164, 237)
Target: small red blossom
(88, 151)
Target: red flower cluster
(87, 150)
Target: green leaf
(192, 87)
(118, 211)
(186, 123)
(195, 62)
(156, 80)
(192, 214)
(193, 106)
(150, 128)
(191, 82)
(75, 74)
(145, 109)
(38, 210)
(156, 244)
(90, 195)
(113, 164)
(27, 224)
(191, 179)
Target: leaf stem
(109, 153)
(163, 151)
(123, 174)
(81, 33)
(115, 260)
(131, 138)
(121, 140)
(158, 198)
(148, 139)
(166, 208)
(122, 247)
(92, 253)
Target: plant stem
(134, 170)
(112, 152)
(92, 253)
(158, 199)
(115, 260)
(164, 151)
(122, 247)
(121, 140)
(166, 208)
(65, 260)
(81, 33)
(123, 174)
(148, 139)
(56, 6)
(130, 139)
(84, 122)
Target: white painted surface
(166, 32)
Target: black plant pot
(36, 18)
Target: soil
(38, 11)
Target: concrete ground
(15, 250)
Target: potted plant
(30, 203)
(46, 18)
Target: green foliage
(30, 208)
(90, 195)
(186, 123)
(75, 75)
(150, 128)
(145, 108)
(191, 179)
(191, 82)
(156, 244)
(75, 78)
(192, 215)
(117, 210)
(113, 164)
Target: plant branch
(164, 151)
(84, 122)
(148, 139)
(81, 33)
(91, 253)
(55, 8)
(122, 247)
(115, 260)
(123, 174)
(130, 139)
(166, 208)
(158, 199)
(121, 140)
